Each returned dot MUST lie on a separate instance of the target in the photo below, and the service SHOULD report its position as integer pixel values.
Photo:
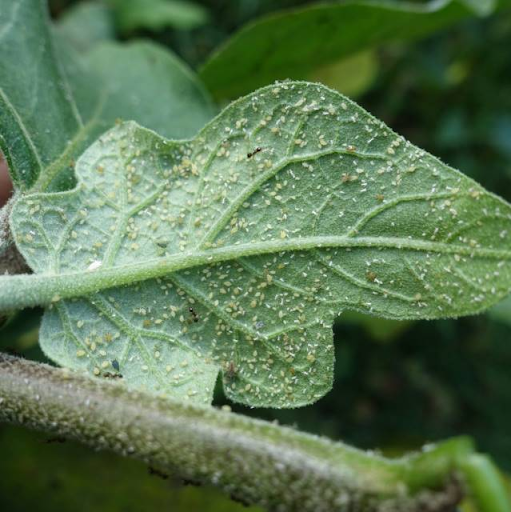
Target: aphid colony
(334, 212)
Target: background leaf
(87, 24)
(290, 206)
(53, 106)
(294, 43)
(38, 117)
(158, 14)
(351, 76)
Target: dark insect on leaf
(110, 375)
(256, 150)
(55, 440)
(194, 314)
(231, 372)
(156, 472)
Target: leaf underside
(320, 208)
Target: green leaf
(238, 248)
(481, 7)
(295, 43)
(53, 106)
(87, 24)
(158, 14)
(38, 118)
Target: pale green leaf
(292, 205)
(87, 24)
(296, 42)
(52, 106)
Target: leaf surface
(296, 43)
(237, 249)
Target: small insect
(115, 365)
(351, 149)
(157, 472)
(110, 375)
(371, 276)
(162, 244)
(231, 371)
(55, 440)
(194, 483)
(256, 150)
(380, 197)
(194, 314)
(346, 177)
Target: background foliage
(397, 384)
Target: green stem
(259, 462)
(20, 291)
(483, 479)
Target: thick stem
(260, 463)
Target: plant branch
(256, 461)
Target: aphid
(55, 440)
(110, 375)
(194, 314)
(231, 371)
(346, 177)
(351, 149)
(256, 150)
(371, 276)
(157, 472)
(187, 481)
(380, 197)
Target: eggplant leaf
(174, 260)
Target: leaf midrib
(38, 289)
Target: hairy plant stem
(258, 462)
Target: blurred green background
(397, 384)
